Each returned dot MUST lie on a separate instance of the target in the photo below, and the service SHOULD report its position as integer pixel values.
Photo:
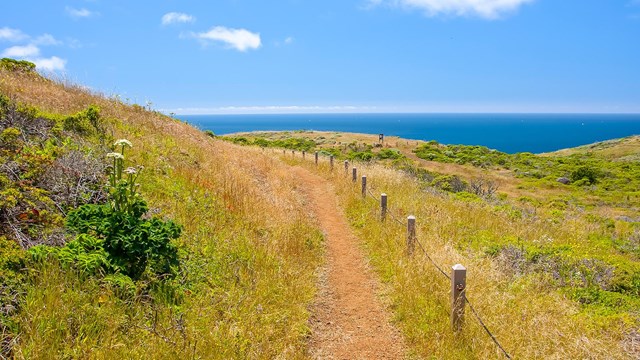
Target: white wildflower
(115, 155)
(130, 170)
(122, 142)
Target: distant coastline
(536, 133)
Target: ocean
(509, 133)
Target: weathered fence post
(303, 154)
(331, 162)
(364, 186)
(411, 234)
(284, 152)
(316, 158)
(458, 291)
(346, 167)
(293, 153)
(354, 173)
(383, 207)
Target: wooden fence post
(331, 162)
(364, 186)
(293, 153)
(383, 207)
(316, 158)
(411, 234)
(346, 167)
(284, 152)
(458, 291)
(354, 173)
(303, 154)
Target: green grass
(548, 286)
(248, 273)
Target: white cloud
(239, 39)
(79, 13)
(30, 51)
(53, 63)
(21, 51)
(488, 9)
(46, 39)
(12, 35)
(288, 40)
(176, 17)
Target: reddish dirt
(349, 321)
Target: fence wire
(393, 217)
(424, 251)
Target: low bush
(115, 238)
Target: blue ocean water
(505, 132)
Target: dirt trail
(349, 320)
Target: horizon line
(441, 109)
(175, 113)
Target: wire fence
(397, 219)
(391, 214)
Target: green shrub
(86, 122)
(12, 262)
(210, 133)
(17, 65)
(389, 154)
(450, 183)
(584, 175)
(115, 237)
(360, 155)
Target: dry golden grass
(252, 249)
(612, 149)
(526, 312)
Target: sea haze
(505, 132)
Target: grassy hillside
(557, 273)
(214, 254)
(247, 251)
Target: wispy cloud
(46, 40)
(30, 49)
(21, 51)
(488, 9)
(287, 41)
(12, 35)
(79, 13)
(176, 17)
(239, 39)
(273, 109)
(53, 63)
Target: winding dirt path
(349, 320)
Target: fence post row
(364, 186)
(316, 158)
(331, 162)
(383, 207)
(458, 287)
(354, 174)
(411, 234)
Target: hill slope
(248, 249)
(553, 269)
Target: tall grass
(528, 313)
(250, 250)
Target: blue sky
(241, 56)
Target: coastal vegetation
(573, 247)
(195, 262)
(180, 243)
